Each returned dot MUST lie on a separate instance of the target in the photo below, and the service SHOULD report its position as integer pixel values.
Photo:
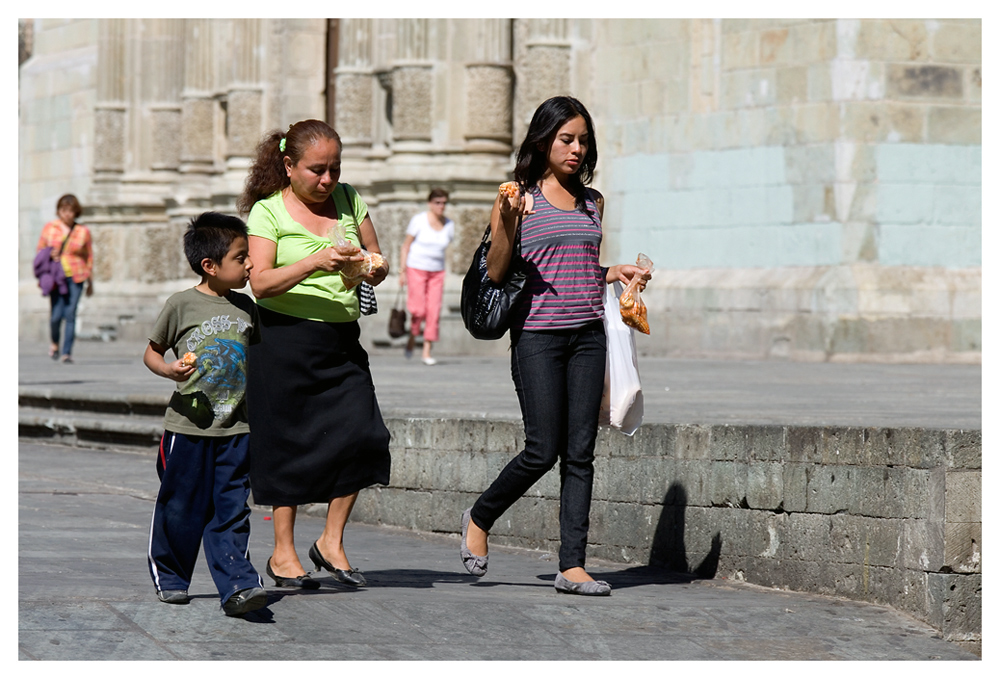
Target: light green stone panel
(954, 247)
(929, 207)
(731, 208)
(816, 244)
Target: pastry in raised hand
(508, 189)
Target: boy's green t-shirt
(218, 330)
(322, 296)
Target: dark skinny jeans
(63, 315)
(559, 378)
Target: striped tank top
(565, 282)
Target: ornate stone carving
(243, 122)
(198, 132)
(166, 133)
(546, 70)
(355, 108)
(489, 92)
(412, 94)
(109, 139)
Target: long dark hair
(267, 173)
(532, 157)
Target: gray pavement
(84, 593)
(674, 391)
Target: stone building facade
(807, 189)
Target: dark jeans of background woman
(64, 310)
(559, 377)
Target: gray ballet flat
(476, 565)
(589, 588)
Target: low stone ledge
(885, 515)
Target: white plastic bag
(621, 405)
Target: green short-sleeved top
(322, 296)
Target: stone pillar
(243, 123)
(110, 109)
(412, 95)
(542, 65)
(199, 108)
(356, 85)
(163, 79)
(244, 96)
(489, 87)
(412, 83)
(166, 131)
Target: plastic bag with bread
(633, 310)
(352, 273)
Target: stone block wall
(750, 157)
(889, 516)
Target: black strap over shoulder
(66, 239)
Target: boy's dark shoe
(244, 601)
(173, 596)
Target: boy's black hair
(210, 235)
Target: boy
(202, 462)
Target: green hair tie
(281, 145)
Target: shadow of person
(668, 555)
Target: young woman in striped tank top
(558, 346)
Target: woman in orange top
(77, 258)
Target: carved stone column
(412, 83)
(542, 63)
(244, 96)
(244, 109)
(356, 84)
(166, 131)
(412, 95)
(489, 85)
(199, 107)
(110, 110)
(163, 78)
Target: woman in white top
(422, 257)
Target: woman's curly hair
(267, 173)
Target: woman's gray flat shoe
(476, 565)
(589, 588)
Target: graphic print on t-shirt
(221, 365)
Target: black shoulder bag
(486, 306)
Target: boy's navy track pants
(204, 487)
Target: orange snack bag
(633, 310)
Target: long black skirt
(316, 432)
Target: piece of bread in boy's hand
(189, 358)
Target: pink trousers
(424, 292)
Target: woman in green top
(317, 434)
